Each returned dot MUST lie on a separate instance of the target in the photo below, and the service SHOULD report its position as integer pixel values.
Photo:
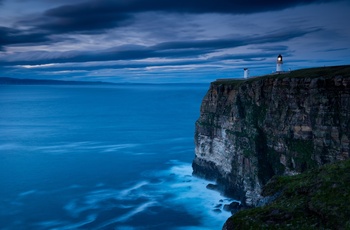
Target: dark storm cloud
(14, 36)
(181, 6)
(182, 49)
(333, 50)
(232, 43)
(93, 17)
(81, 18)
(97, 15)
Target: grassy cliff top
(318, 199)
(331, 71)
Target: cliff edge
(251, 130)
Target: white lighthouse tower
(279, 63)
(246, 73)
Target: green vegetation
(274, 159)
(247, 153)
(317, 199)
(303, 150)
(233, 82)
(302, 146)
(209, 121)
(332, 71)
(265, 168)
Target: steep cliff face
(249, 131)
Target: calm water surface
(102, 157)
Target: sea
(103, 157)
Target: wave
(69, 147)
(165, 192)
(128, 215)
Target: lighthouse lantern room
(279, 63)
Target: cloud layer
(163, 34)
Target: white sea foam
(68, 147)
(94, 200)
(142, 153)
(64, 225)
(22, 194)
(137, 186)
(51, 223)
(73, 208)
(74, 186)
(177, 189)
(100, 185)
(192, 228)
(125, 228)
(177, 139)
(113, 148)
(11, 147)
(192, 195)
(188, 192)
(79, 147)
(89, 219)
(128, 215)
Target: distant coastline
(27, 81)
(19, 81)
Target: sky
(169, 41)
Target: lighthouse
(279, 63)
(246, 73)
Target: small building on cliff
(279, 64)
(246, 73)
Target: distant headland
(19, 81)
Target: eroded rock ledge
(250, 130)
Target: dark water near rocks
(102, 157)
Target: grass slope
(317, 199)
(331, 71)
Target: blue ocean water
(102, 157)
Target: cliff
(251, 130)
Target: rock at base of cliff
(233, 207)
(214, 187)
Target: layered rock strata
(250, 130)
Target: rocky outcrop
(250, 130)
